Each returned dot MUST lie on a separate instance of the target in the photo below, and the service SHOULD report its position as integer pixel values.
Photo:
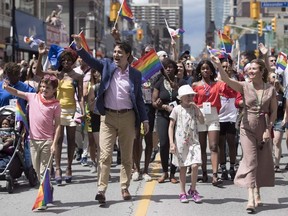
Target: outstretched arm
(13, 91)
(237, 86)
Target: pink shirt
(117, 96)
(41, 117)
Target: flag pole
(168, 30)
(238, 61)
(48, 164)
(118, 14)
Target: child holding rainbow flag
(44, 113)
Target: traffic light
(256, 52)
(139, 35)
(274, 24)
(260, 27)
(114, 8)
(254, 9)
(226, 30)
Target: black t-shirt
(165, 96)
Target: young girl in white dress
(184, 142)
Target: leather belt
(118, 111)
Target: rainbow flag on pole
(217, 52)
(44, 193)
(148, 65)
(125, 11)
(227, 42)
(20, 116)
(281, 62)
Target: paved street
(148, 198)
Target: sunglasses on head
(49, 77)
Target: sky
(194, 24)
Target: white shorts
(211, 121)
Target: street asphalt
(152, 198)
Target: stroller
(12, 158)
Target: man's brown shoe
(125, 194)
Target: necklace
(258, 100)
(206, 87)
(168, 87)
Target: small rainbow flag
(226, 42)
(84, 42)
(217, 52)
(148, 65)
(20, 116)
(281, 62)
(175, 33)
(125, 11)
(44, 193)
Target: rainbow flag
(125, 11)
(83, 43)
(281, 62)
(217, 52)
(148, 65)
(44, 193)
(20, 116)
(175, 33)
(226, 42)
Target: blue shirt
(6, 96)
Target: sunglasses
(273, 60)
(49, 77)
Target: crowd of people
(182, 107)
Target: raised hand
(215, 59)
(77, 40)
(115, 34)
(42, 49)
(263, 49)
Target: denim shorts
(278, 126)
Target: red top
(211, 93)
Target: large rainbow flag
(44, 193)
(20, 116)
(226, 42)
(125, 11)
(148, 65)
(281, 62)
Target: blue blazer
(107, 67)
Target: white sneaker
(93, 168)
(136, 176)
(146, 177)
(44, 207)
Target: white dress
(188, 149)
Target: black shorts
(227, 128)
(95, 122)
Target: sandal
(277, 169)
(163, 178)
(68, 178)
(204, 178)
(216, 181)
(58, 178)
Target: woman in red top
(208, 100)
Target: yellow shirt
(66, 94)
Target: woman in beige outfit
(260, 111)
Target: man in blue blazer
(122, 109)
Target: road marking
(149, 188)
